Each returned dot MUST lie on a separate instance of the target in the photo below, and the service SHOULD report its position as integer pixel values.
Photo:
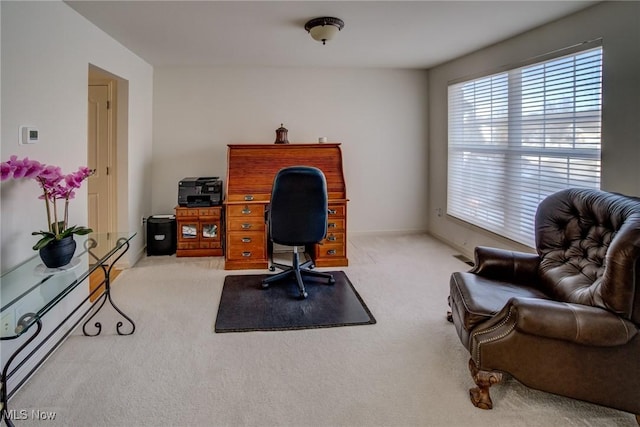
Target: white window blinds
(517, 136)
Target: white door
(98, 159)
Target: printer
(200, 191)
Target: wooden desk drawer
(333, 238)
(335, 224)
(245, 224)
(195, 212)
(211, 212)
(249, 197)
(246, 253)
(336, 211)
(189, 245)
(328, 250)
(210, 245)
(248, 210)
(246, 239)
(186, 212)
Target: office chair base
(307, 265)
(298, 270)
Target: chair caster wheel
(265, 285)
(272, 268)
(332, 281)
(304, 295)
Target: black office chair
(297, 216)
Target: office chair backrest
(298, 211)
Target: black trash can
(161, 235)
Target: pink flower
(15, 168)
(18, 166)
(31, 167)
(54, 184)
(57, 192)
(5, 171)
(85, 172)
(75, 179)
(51, 174)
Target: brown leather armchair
(564, 320)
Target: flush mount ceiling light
(323, 29)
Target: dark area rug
(245, 306)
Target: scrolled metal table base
(106, 295)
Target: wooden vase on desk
(281, 135)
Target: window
(519, 135)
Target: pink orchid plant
(55, 187)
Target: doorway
(102, 159)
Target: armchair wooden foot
(484, 379)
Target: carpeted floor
(246, 306)
(409, 369)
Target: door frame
(96, 77)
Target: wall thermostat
(28, 135)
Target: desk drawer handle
(246, 226)
(331, 225)
(248, 197)
(332, 211)
(246, 240)
(246, 210)
(331, 238)
(246, 254)
(331, 252)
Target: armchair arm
(501, 264)
(577, 323)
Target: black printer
(201, 191)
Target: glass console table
(31, 290)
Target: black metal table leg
(22, 322)
(106, 296)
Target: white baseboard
(387, 232)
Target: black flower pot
(59, 252)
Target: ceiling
(386, 34)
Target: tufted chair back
(589, 247)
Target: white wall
(46, 51)
(44, 84)
(618, 23)
(379, 116)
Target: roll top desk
(251, 169)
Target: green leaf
(82, 231)
(79, 230)
(48, 238)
